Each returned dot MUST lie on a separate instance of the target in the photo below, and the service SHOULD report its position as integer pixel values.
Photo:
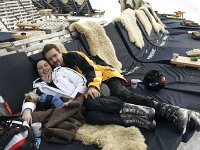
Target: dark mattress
(150, 52)
(177, 25)
(174, 40)
(183, 81)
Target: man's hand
(92, 92)
(26, 115)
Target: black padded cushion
(16, 77)
(76, 45)
(6, 37)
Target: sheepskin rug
(133, 4)
(128, 20)
(112, 137)
(156, 26)
(99, 42)
(80, 2)
(144, 20)
(150, 8)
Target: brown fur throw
(128, 20)
(98, 42)
(60, 124)
(112, 137)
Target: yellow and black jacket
(94, 73)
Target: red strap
(8, 108)
(18, 144)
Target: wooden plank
(31, 9)
(53, 25)
(40, 46)
(35, 26)
(174, 17)
(182, 61)
(2, 27)
(19, 11)
(48, 36)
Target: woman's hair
(36, 62)
(48, 47)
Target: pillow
(35, 57)
(76, 45)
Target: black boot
(131, 120)
(137, 110)
(194, 121)
(174, 114)
(192, 125)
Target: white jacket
(68, 81)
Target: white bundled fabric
(193, 52)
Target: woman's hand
(26, 115)
(47, 78)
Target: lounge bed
(18, 74)
(154, 140)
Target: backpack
(15, 133)
(154, 80)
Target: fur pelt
(122, 4)
(80, 2)
(149, 7)
(128, 20)
(136, 4)
(156, 26)
(65, 1)
(112, 137)
(144, 20)
(99, 42)
(132, 4)
(32, 97)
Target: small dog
(32, 97)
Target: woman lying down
(60, 83)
